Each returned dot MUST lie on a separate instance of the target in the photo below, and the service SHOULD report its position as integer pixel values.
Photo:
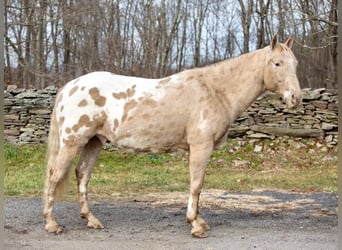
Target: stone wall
(27, 116)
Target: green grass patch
(277, 166)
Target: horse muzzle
(293, 99)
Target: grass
(277, 166)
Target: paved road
(257, 220)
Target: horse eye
(277, 64)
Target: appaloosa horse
(191, 110)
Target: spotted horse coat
(191, 110)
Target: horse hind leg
(57, 175)
(88, 158)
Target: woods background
(52, 42)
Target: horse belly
(151, 137)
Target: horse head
(280, 72)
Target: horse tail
(53, 150)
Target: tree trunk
(246, 15)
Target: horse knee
(195, 189)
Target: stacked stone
(268, 117)
(27, 116)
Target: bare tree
(262, 9)
(200, 11)
(168, 34)
(7, 64)
(246, 17)
(51, 42)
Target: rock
(328, 126)
(27, 130)
(274, 118)
(259, 136)
(28, 94)
(240, 163)
(40, 132)
(25, 137)
(311, 95)
(11, 117)
(49, 89)
(10, 88)
(39, 111)
(295, 144)
(309, 107)
(333, 106)
(267, 111)
(324, 149)
(11, 132)
(257, 148)
(320, 104)
(329, 138)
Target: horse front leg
(198, 160)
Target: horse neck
(241, 81)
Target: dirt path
(257, 220)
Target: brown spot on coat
(128, 106)
(60, 97)
(76, 80)
(68, 130)
(123, 95)
(100, 117)
(83, 103)
(146, 116)
(166, 80)
(70, 140)
(131, 91)
(95, 95)
(205, 114)
(150, 102)
(189, 78)
(62, 108)
(123, 137)
(202, 99)
(73, 90)
(116, 124)
(61, 120)
(83, 121)
(120, 95)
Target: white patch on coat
(203, 123)
(190, 204)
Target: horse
(190, 110)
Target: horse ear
(274, 42)
(289, 42)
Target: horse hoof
(54, 228)
(205, 226)
(95, 225)
(199, 233)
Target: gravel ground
(255, 220)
